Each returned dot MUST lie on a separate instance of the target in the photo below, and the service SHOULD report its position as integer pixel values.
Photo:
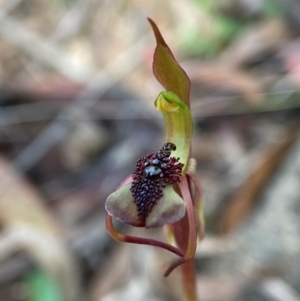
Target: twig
(72, 21)
(43, 51)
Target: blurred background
(76, 112)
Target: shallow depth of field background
(76, 112)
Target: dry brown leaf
(116, 273)
(46, 87)
(27, 225)
(247, 194)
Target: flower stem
(188, 269)
(186, 241)
(188, 276)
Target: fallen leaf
(246, 196)
(28, 225)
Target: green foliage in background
(42, 288)
(217, 28)
(273, 9)
(63, 2)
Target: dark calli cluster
(151, 175)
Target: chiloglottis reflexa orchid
(163, 189)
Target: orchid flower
(163, 189)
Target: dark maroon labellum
(151, 175)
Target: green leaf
(63, 2)
(273, 9)
(166, 69)
(42, 287)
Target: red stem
(138, 240)
(190, 244)
(186, 243)
(198, 204)
(189, 286)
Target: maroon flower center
(151, 175)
